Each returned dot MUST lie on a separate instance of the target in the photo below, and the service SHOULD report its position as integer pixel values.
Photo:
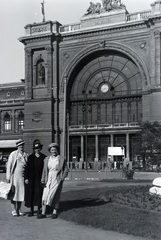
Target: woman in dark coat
(33, 173)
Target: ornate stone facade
(111, 63)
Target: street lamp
(84, 109)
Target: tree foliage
(151, 140)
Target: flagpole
(43, 10)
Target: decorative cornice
(35, 38)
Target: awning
(8, 143)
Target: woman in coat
(15, 175)
(33, 173)
(54, 173)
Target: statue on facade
(107, 5)
(41, 74)
(93, 8)
(112, 4)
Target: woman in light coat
(54, 173)
(15, 175)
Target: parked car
(3, 162)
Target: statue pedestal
(104, 18)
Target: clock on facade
(104, 88)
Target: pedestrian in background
(33, 173)
(15, 175)
(54, 173)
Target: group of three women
(37, 179)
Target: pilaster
(96, 147)
(157, 57)
(28, 73)
(49, 76)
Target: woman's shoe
(41, 216)
(14, 213)
(21, 213)
(30, 214)
(54, 216)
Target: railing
(138, 16)
(70, 28)
(129, 18)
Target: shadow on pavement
(87, 202)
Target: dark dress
(33, 172)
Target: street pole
(64, 118)
(84, 109)
(86, 126)
(86, 148)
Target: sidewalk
(25, 228)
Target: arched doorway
(105, 100)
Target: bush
(129, 173)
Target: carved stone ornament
(157, 34)
(37, 117)
(66, 55)
(142, 45)
(28, 51)
(103, 44)
(49, 49)
(107, 5)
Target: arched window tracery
(119, 102)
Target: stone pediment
(109, 12)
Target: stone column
(82, 149)
(28, 73)
(157, 57)
(112, 137)
(13, 127)
(16, 121)
(127, 147)
(2, 122)
(96, 148)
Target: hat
(20, 142)
(37, 145)
(52, 145)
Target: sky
(16, 14)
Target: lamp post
(122, 148)
(84, 109)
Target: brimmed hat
(53, 145)
(20, 142)
(37, 145)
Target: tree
(151, 141)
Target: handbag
(7, 190)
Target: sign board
(115, 151)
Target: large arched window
(7, 122)
(109, 87)
(20, 121)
